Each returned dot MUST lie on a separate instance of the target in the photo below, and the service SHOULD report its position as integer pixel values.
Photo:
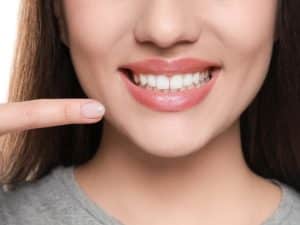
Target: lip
(156, 66)
(169, 101)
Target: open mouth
(178, 82)
(128, 73)
(162, 93)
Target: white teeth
(143, 80)
(162, 82)
(203, 75)
(196, 78)
(176, 82)
(136, 78)
(151, 80)
(188, 80)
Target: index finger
(41, 113)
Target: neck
(199, 181)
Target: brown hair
(270, 125)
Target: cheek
(92, 26)
(246, 33)
(246, 27)
(94, 34)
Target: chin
(179, 146)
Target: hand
(39, 113)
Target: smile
(170, 90)
(177, 82)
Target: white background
(8, 28)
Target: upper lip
(157, 66)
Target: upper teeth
(177, 81)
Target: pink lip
(170, 101)
(158, 66)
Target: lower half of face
(228, 33)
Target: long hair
(270, 125)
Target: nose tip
(165, 36)
(165, 25)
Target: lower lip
(170, 101)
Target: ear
(59, 15)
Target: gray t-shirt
(57, 199)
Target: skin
(42, 113)
(172, 168)
(154, 163)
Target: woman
(201, 118)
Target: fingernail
(92, 110)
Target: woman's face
(103, 35)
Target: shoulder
(288, 212)
(294, 215)
(30, 201)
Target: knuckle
(30, 116)
(67, 113)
